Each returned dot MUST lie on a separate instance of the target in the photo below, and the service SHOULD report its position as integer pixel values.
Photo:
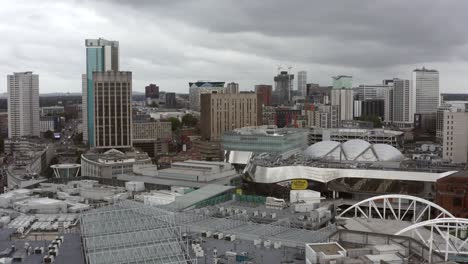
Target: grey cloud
(173, 42)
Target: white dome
(320, 149)
(354, 147)
(386, 152)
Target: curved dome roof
(354, 147)
(353, 150)
(321, 149)
(387, 152)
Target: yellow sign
(239, 191)
(299, 184)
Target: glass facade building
(262, 139)
(101, 55)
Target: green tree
(49, 134)
(374, 119)
(175, 123)
(189, 120)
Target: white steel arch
(421, 208)
(443, 235)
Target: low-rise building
(152, 136)
(111, 163)
(264, 139)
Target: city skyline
(385, 43)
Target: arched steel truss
(397, 206)
(444, 235)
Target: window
(457, 202)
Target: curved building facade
(111, 163)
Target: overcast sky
(172, 42)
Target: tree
(374, 119)
(175, 123)
(189, 120)
(49, 134)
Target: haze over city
(174, 42)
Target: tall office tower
(170, 100)
(302, 83)
(232, 88)
(426, 84)
(151, 94)
(388, 104)
(113, 109)
(440, 119)
(225, 112)
(202, 87)
(455, 136)
(265, 91)
(344, 99)
(84, 107)
(403, 103)
(317, 94)
(23, 105)
(283, 88)
(101, 55)
(342, 82)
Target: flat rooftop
(326, 248)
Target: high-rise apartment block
(342, 82)
(265, 91)
(302, 83)
(283, 88)
(455, 136)
(426, 86)
(23, 105)
(151, 94)
(101, 55)
(344, 99)
(225, 112)
(232, 88)
(202, 87)
(403, 103)
(112, 109)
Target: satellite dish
(432, 148)
(424, 147)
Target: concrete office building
(151, 94)
(202, 87)
(283, 88)
(388, 105)
(265, 91)
(224, 112)
(170, 101)
(23, 105)
(113, 109)
(4, 124)
(403, 103)
(101, 55)
(84, 107)
(440, 120)
(302, 83)
(344, 99)
(151, 136)
(371, 92)
(455, 136)
(317, 94)
(342, 82)
(232, 88)
(426, 86)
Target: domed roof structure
(353, 150)
(321, 149)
